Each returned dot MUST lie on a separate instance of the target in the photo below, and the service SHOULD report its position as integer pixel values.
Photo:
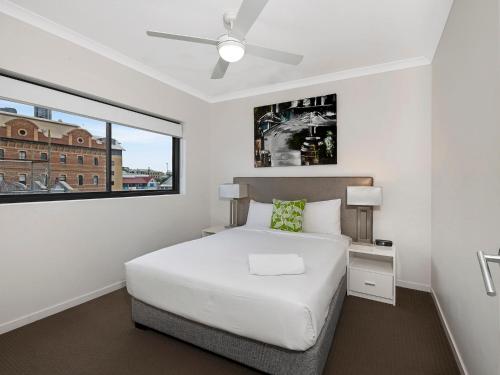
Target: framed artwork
(300, 132)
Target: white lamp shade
(233, 191)
(364, 196)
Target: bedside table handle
(370, 283)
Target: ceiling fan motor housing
(228, 19)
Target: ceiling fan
(232, 45)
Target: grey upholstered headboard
(264, 189)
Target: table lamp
(233, 192)
(364, 197)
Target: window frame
(109, 193)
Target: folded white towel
(275, 264)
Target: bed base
(264, 357)
(140, 326)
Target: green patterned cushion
(287, 215)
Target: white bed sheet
(207, 281)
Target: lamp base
(233, 213)
(364, 225)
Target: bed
(201, 292)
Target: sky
(143, 149)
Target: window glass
(53, 146)
(142, 159)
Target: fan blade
(220, 69)
(184, 38)
(273, 54)
(248, 13)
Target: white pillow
(322, 217)
(259, 214)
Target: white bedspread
(207, 281)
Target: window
(22, 132)
(122, 159)
(1, 177)
(22, 179)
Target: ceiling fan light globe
(231, 50)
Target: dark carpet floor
(98, 337)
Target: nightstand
(371, 272)
(212, 230)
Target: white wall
(54, 252)
(466, 179)
(384, 131)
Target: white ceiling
(333, 35)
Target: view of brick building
(41, 155)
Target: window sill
(51, 197)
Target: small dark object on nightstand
(383, 243)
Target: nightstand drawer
(375, 284)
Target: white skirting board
(40, 314)
(413, 285)
(449, 335)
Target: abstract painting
(299, 132)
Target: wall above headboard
(313, 189)
(384, 131)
